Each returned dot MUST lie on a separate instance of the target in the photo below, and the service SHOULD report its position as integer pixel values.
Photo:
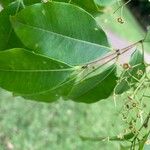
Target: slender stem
(122, 6)
(113, 55)
(108, 58)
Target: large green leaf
(40, 78)
(95, 87)
(5, 3)
(56, 30)
(54, 94)
(133, 74)
(26, 73)
(8, 38)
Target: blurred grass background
(28, 125)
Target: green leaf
(30, 2)
(26, 73)
(54, 94)
(88, 5)
(5, 3)
(133, 74)
(36, 77)
(8, 38)
(52, 29)
(95, 87)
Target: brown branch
(113, 55)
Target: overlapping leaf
(8, 38)
(61, 31)
(133, 74)
(5, 3)
(24, 72)
(96, 87)
(88, 5)
(43, 79)
(52, 30)
(54, 94)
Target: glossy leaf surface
(64, 38)
(5, 3)
(95, 87)
(88, 5)
(40, 78)
(8, 38)
(24, 72)
(56, 43)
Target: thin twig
(113, 55)
(122, 6)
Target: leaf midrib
(61, 35)
(29, 71)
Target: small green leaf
(133, 74)
(88, 5)
(52, 29)
(96, 87)
(8, 38)
(26, 73)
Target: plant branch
(121, 6)
(113, 55)
(114, 138)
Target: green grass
(28, 125)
